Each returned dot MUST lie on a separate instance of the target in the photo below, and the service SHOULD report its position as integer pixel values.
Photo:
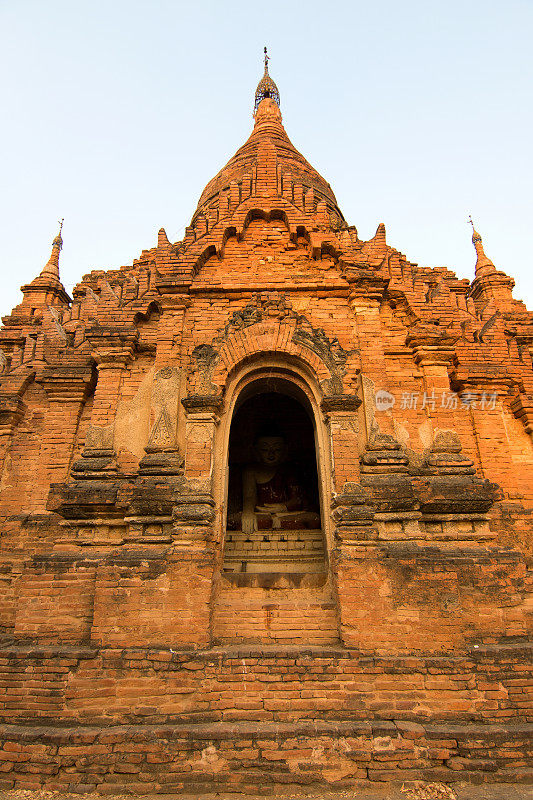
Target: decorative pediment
(277, 329)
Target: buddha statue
(272, 494)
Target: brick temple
(163, 626)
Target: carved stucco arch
(265, 339)
(269, 326)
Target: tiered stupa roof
(269, 137)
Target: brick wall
(163, 721)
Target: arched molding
(272, 215)
(229, 233)
(153, 307)
(323, 241)
(268, 326)
(204, 256)
(236, 222)
(275, 209)
(266, 340)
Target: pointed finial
(162, 238)
(51, 268)
(484, 265)
(381, 232)
(58, 238)
(266, 86)
(475, 235)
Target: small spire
(475, 235)
(266, 87)
(484, 265)
(51, 268)
(381, 233)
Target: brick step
(262, 682)
(280, 615)
(285, 550)
(143, 759)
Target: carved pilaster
(340, 414)
(161, 461)
(385, 477)
(163, 456)
(366, 309)
(170, 328)
(113, 349)
(155, 493)
(383, 455)
(433, 350)
(522, 408)
(11, 412)
(202, 419)
(67, 388)
(193, 516)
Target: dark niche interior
(272, 411)
(289, 540)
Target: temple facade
(265, 509)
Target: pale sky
(116, 114)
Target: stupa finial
(51, 268)
(484, 265)
(475, 235)
(266, 86)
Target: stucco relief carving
(330, 351)
(204, 360)
(164, 404)
(162, 455)
(161, 434)
(270, 307)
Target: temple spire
(46, 289)
(266, 87)
(484, 265)
(51, 268)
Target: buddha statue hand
(248, 522)
(271, 508)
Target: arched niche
(269, 388)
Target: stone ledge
(265, 730)
(522, 647)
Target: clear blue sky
(116, 114)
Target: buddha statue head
(270, 447)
